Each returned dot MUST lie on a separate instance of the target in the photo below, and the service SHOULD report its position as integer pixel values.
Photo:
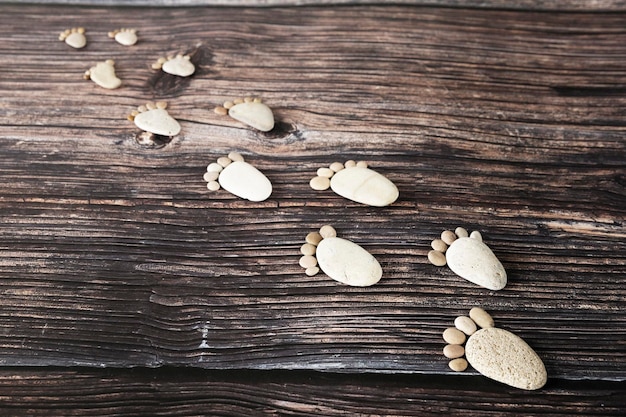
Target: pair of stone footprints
(103, 73)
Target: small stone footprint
(126, 37)
(469, 258)
(251, 111)
(103, 74)
(179, 65)
(495, 353)
(238, 177)
(74, 37)
(154, 118)
(340, 259)
(356, 182)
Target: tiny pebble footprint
(154, 118)
(340, 259)
(126, 37)
(469, 258)
(103, 74)
(74, 37)
(250, 111)
(179, 65)
(238, 177)
(356, 182)
(495, 353)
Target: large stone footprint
(238, 177)
(340, 259)
(103, 74)
(251, 111)
(356, 182)
(154, 118)
(495, 353)
(469, 258)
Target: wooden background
(127, 288)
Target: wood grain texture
(114, 254)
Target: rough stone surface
(347, 262)
(500, 355)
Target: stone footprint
(238, 177)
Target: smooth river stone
(255, 114)
(180, 65)
(500, 355)
(364, 186)
(347, 262)
(473, 260)
(245, 181)
(157, 121)
(103, 74)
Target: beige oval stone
(473, 260)
(314, 270)
(336, 166)
(325, 172)
(453, 351)
(476, 235)
(157, 121)
(126, 37)
(320, 183)
(364, 186)
(210, 176)
(254, 114)
(481, 317)
(460, 232)
(213, 185)
(453, 336)
(448, 236)
(214, 167)
(458, 364)
(308, 249)
(439, 245)
(314, 238)
(327, 231)
(347, 262)
(235, 156)
(436, 258)
(465, 324)
(103, 74)
(245, 181)
(505, 357)
(308, 261)
(76, 40)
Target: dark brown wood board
(114, 255)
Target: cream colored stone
(481, 317)
(308, 261)
(458, 364)
(347, 262)
(460, 232)
(213, 185)
(473, 260)
(439, 245)
(364, 186)
(453, 351)
(255, 114)
(314, 238)
(312, 271)
(180, 65)
(210, 176)
(308, 249)
(235, 156)
(454, 336)
(214, 167)
(465, 324)
(448, 237)
(103, 74)
(157, 121)
(476, 235)
(245, 181)
(436, 258)
(126, 37)
(336, 166)
(319, 183)
(327, 231)
(505, 357)
(74, 37)
(325, 172)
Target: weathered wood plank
(114, 254)
(167, 392)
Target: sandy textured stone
(473, 260)
(364, 186)
(255, 114)
(347, 262)
(481, 317)
(157, 121)
(245, 181)
(103, 74)
(500, 355)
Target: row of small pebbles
(455, 336)
(308, 261)
(322, 181)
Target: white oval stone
(473, 260)
(245, 181)
(76, 40)
(347, 262)
(500, 355)
(157, 121)
(179, 65)
(254, 114)
(364, 186)
(126, 37)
